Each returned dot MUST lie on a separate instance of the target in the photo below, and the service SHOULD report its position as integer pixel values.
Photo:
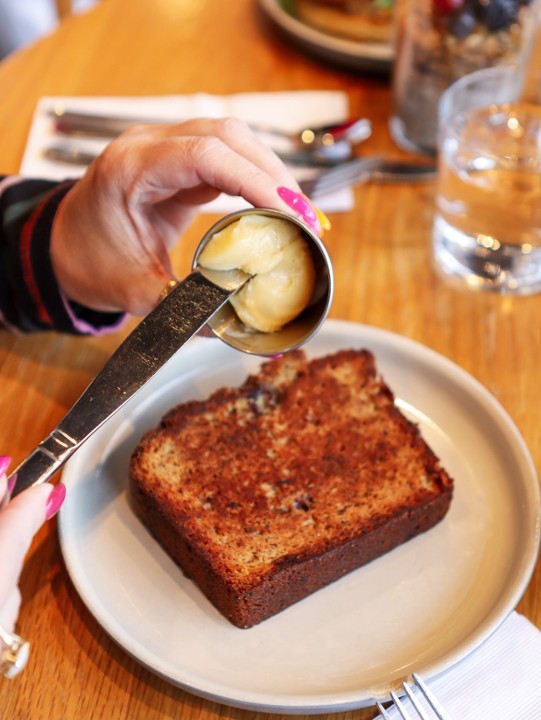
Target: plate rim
(318, 40)
(351, 700)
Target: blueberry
(497, 14)
(263, 399)
(462, 24)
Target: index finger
(182, 164)
(236, 135)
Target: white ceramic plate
(422, 607)
(369, 56)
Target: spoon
(199, 299)
(328, 141)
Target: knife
(69, 122)
(180, 315)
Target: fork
(436, 712)
(363, 169)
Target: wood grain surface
(384, 277)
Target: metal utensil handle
(80, 123)
(153, 342)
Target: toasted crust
(267, 492)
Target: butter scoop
(226, 324)
(276, 253)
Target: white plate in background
(373, 57)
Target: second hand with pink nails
(54, 501)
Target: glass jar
(439, 41)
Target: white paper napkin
(284, 110)
(501, 680)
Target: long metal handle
(154, 341)
(80, 123)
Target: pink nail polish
(55, 500)
(301, 205)
(5, 462)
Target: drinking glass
(487, 228)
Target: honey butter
(275, 252)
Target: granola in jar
(439, 41)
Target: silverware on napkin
(71, 122)
(72, 153)
(320, 145)
(345, 174)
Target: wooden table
(382, 260)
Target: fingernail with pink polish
(302, 206)
(55, 500)
(5, 462)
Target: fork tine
(397, 705)
(348, 171)
(434, 704)
(401, 709)
(422, 712)
(384, 714)
(340, 176)
(415, 702)
(362, 169)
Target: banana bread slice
(267, 492)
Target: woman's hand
(20, 519)
(115, 228)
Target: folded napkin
(500, 680)
(288, 111)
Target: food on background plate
(275, 252)
(267, 492)
(363, 20)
